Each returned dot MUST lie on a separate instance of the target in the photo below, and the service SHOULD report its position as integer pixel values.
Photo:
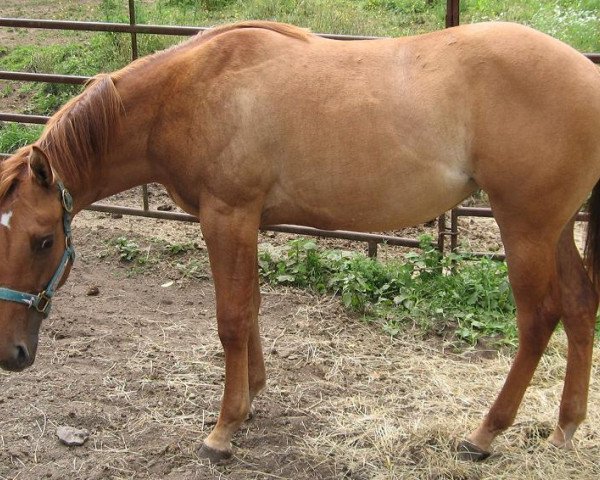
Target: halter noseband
(43, 300)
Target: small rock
(93, 291)
(165, 208)
(116, 215)
(72, 437)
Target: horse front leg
(231, 238)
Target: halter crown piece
(42, 302)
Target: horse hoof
(213, 455)
(560, 443)
(470, 452)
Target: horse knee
(234, 329)
(578, 295)
(534, 336)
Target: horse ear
(40, 166)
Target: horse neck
(126, 163)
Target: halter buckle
(43, 303)
(67, 199)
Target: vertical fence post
(372, 248)
(441, 237)
(441, 240)
(134, 46)
(454, 230)
(134, 56)
(452, 13)
(452, 19)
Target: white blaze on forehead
(5, 219)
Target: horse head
(34, 238)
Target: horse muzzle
(18, 356)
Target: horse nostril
(22, 355)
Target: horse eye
(46, 242)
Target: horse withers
(259, 123)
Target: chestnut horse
(260, 123)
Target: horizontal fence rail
(133, 28)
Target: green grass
(366, 17)
(463, 297)
(576, 22)
(13, 136)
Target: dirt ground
(140, 367)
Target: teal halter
(42, 302)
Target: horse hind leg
(531, 258)
(579, 305)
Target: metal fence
(445, 229)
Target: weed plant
(138, 256)
(470, 296)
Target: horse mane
(75, 136)
(78, 133)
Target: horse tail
(592, 241)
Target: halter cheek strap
(42, 302)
